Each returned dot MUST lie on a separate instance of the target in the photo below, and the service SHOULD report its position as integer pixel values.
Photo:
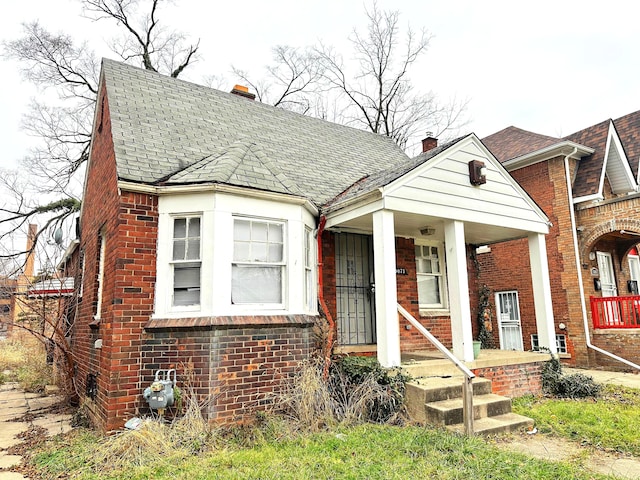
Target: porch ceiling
(410, 225)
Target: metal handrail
(467, 385)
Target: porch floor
(433, 364)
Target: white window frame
(102, 246)
(561, 343)
(185, 262)
(218, 210)
(282, 264)
(308, 269)
(441, 276)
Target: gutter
(583, 304)
(323, 304)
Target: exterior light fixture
(477, 172)
(427, 231)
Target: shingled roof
(385, 177)
(168, 131)
(513, 142)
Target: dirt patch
(555, 449)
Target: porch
(429, 363)
(436, 393)
(615, 312)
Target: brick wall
(514, 380)
(234, 365)
(507, 266)
(99, 213)
(625, 343)
(407, 291)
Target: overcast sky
(552, 67)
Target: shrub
(551, 374)
(358, 390)
(365, 391)
(576, 385)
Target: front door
(510, 329)
(607, 276)
(354, 289)
(608, 287)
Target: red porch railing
(616, 312)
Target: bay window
(258, 265)
(186, 261)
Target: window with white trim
(258, 266)
(100, 274)
(186, 261)
(429, 270)
(561, 342)
(308, 273)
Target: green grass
(367, 452)
(611, 421)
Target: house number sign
(401, 271)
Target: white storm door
(509, 326)
(634, 267)
(607, 277)
(608, 287)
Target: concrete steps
(438, 401)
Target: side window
(186, 261)
(100, 274)
(258, 265)
(308, 269)
(429, 270)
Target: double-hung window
(258, 266)
(186, 261)
(429, 270)
(308, 273)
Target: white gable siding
(441, 188)
(617, 168)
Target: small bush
(577, 385)
(358, 390)
(365, 391)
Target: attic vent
(243, 91)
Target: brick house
(213, 226)
(587, 183)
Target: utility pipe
(323, 304)
(583, 304)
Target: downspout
(583, 304)
(323, 304)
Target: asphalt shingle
(170, 131)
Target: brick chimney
(31, 240)
(243, 92)
(429, 143)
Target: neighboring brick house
(587, 183)
(199, 232)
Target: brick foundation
(234, 364)
(514, 380)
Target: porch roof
(435, 188)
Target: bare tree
(43, 306)
(375, 86)
(291, 81)
(54, 62)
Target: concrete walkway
(631, 380)
(14, 403)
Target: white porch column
(386, 296)
(458, 281)
(542, 292)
